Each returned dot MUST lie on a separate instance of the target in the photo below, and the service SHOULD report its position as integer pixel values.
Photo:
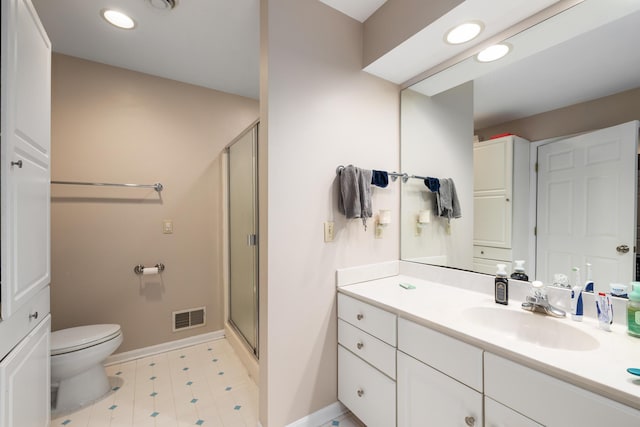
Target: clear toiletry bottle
(633, 310)
(518, 271)
(501, 285)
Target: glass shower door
(243, 248)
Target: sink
(531, 327)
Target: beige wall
(396, 21)
(597, 114)
(115, 125)
(323, 111)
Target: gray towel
(447, 200)
(355, 193)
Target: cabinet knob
(507, 200)
(482, 252)
(18, 164)
(360, 345)
(360, 316)
(360, 392)
(470, 421)
(34, 315)
(623, 249)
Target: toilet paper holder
(139, 269)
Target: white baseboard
(161, 348)
(322, 416)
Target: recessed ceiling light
(118, 19)
(493, 53)
(464, 32)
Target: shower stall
(242, 220)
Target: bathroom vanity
(25, 322)
(426, 353)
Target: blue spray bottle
(576, 296)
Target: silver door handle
(252, 240)
(359, 345)
(470, 421)
(18, 164)
(623, 249)
(360, 392)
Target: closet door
(25, 151)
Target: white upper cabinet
(25, 154)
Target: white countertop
(601, 369)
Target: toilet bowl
(77, 372)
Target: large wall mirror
(570, 91)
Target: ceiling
(215, 44)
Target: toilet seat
(81, 337)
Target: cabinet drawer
(450, 356)
(380, 354)
(491, 253)
(379, 323)
(369, 394)
(550, 401)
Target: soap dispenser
(501, 285)
(576, 296)
(518, 271)
(633, 310)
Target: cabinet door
(24, 153)
(25, 395)
(498, 415)
(427, 397)
(492, 192)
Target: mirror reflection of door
(587, 205)
(243, 249)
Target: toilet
(77, 371)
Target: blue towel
(380, 178)
(433, 184)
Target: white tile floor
(201, 385)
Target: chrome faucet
(539, 301)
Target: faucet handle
(537, 284)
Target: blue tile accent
(194, 400)
(154, 394)
(199, 422)
(227, 389)
(112, 407)
(153, 378)
(335, 423)
(237, 407)
(185, 369)
(65, 422)
(189, 382)
(154, 414)
(221, 373)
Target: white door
(24, 153)
(587, 205)
(427, 397)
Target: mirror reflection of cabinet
(500, 202)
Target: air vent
(187, 319)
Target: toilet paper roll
(150, 270)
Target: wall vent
(190, 318)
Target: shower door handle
(252, 239)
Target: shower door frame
(253, 128)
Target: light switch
(167, 226)
(328, 231)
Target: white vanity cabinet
(500, 202)
(548, 400)
(24, 217)
(439, 380)
(367, 361)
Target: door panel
(243, 255)
(587, 204)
